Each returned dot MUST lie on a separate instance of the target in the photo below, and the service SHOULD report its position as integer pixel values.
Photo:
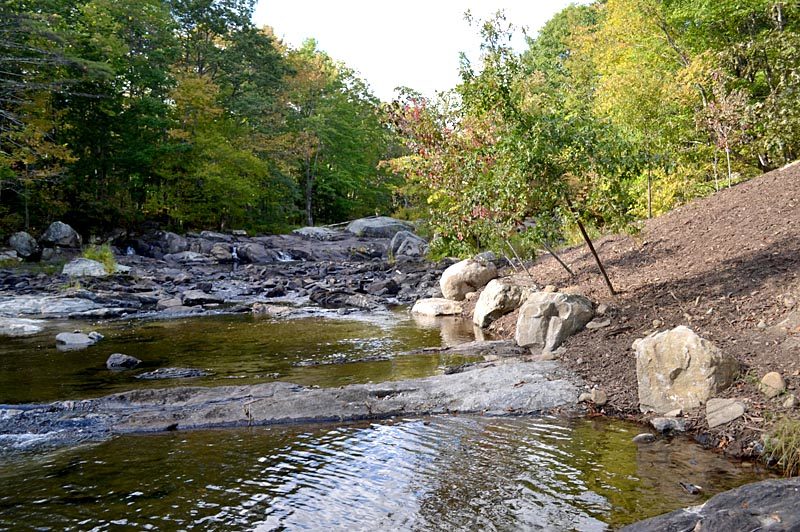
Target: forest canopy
(184, 114)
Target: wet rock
(377, 227)
(766, 505)
(645, 437)
(25, 245)
(45, 306)
(666, 425)
(192, 298)
(723, 411)
(469, 275)
(173, 373)
(15, 327)
(772, 384)
(187, 257)
(498, 299)
(406, 243)
(547, 319)
(61, 234)
(76, 340)
(437, 307)
(120, 361)
(345, 299)
(678, 369)
(383, 288)
(84, 268)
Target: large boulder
(498, 299)
(61, 234)
(221, 252)
(437, 306)
(255, 254)
(84, 268)
(121, 361)
(408, 244)
(24, 244)
(173, 243)
(467, 276)
(678, 369)
(546, 319)
(377, 227)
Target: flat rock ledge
(504, 389)
(765, 505)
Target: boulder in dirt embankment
(498, 299)
(546, 319)
(467, 276)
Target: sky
(413, 43)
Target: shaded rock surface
(498, 299)
(515, 388)
(24, 244)
(678, 369)
(767, 505)
(547, 319)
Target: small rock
(437, 306)
(791, 401)
(95, 336)
(585, 397)
(668, 424)
(772, 384)
(674, 413)
(762, 325)
(74, 340)
(601, 310)
(119, 361)
(599, 397)
(722, 411)
(469, 296)
(598, 324)
(550, 288)
(645, 437)
(789, 301)
(657, 323)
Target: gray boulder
(408, 244)
(324, 234)
(172, 243)
(120, 361)
(436, 306)
(255, 254)
(61, 234)
(546, 319)
(498, 299)
(216, 237)
(76, 340)
(187, 257)
(84, 268)
(221, 252)
(678, 369)
(767, 505)
(15, 327)
(467, 276)
(24, 244)
(377, 227)
(45, 306)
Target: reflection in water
(440, 473)
(454, 330)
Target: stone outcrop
(498, 299)
(25, 245)
(678, 369)
(467, 276)
(406, 243)
(61, 234)
(377, 227)
(546, 319)
(437, 306)
(15, 327)
(84, 268)
(766, 505)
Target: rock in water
(76, 340)
(546, 319)
(678, 369)
(120, 361)
(497, 300)
(84, 268)
(377, 227)
(436, 306)
(173, 373)
(24, 244)
(61, 234)
(20, 327)
(467, 276)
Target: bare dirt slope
(727, 266)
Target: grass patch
(103, 255)
(782, 446)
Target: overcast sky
(413, 43)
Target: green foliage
(102, 254)
(782, 445)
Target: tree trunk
(649, 192)
(728, 158)
(591, 248)
(309, 192)
(558, 259)
(716, 170)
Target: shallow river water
(429, 473)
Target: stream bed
(426, 473)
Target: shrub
(103, 255)
(783, 445)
